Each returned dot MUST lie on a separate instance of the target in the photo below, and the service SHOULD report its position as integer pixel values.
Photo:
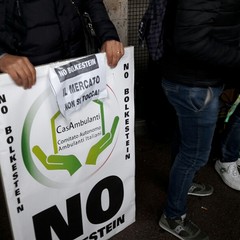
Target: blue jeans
(197, 111)
(231, 138)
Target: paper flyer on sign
(69, 178)
(78, 82)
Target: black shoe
(182, 228)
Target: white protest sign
(69, 178)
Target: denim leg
(231, 138)
(197, 110)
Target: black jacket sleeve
(2, 15)
(102, 24)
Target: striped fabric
(150, 31)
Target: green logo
(56, 161)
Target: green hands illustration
(57, 162)
(71, 162)
(102, 144)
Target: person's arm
(197, 37)
(106, 31)
(19, 68)
(114, 51)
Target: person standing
(44, 31)
(201, 54)
(227, 166)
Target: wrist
(2, 55)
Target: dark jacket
(50, 30)
(202, 42)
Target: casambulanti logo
(58, 151)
